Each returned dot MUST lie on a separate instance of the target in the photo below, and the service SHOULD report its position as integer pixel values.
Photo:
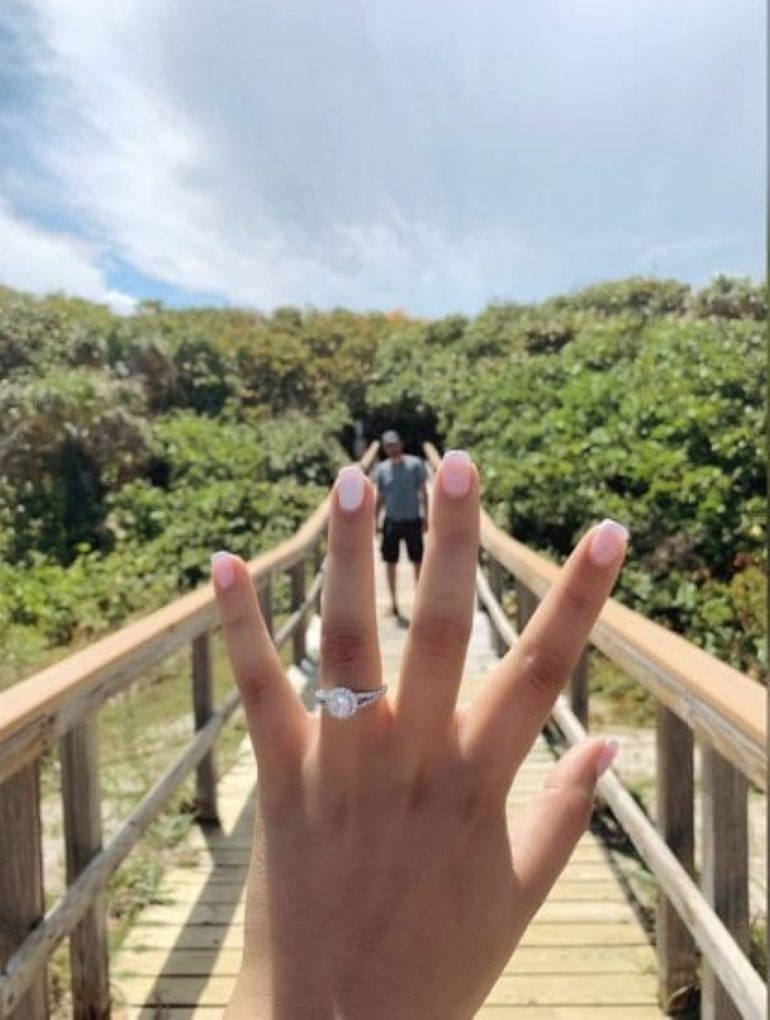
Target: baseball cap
(390, 437)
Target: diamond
(341, 703)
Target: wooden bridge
(586, 955)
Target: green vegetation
(132, 448)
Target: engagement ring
(342, 703)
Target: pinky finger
(275, 715)
(548, 832)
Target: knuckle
(577, 599)
(343, 643)
(573, 803)
(439, 635)
(544, 669)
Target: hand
(384, 882)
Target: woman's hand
(384, 881)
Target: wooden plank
(595, 1012)
(21, 884)
(181, 962)
(578, 689)
(298, 641)
(677, 953)
(266, 602)
(546, 989)
(574, 990)
(203, 709)
(81, 804)
(608, 935)
(561, 911)
(724, 873)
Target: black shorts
(392, 534)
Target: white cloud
(39, 261)
(418, 156)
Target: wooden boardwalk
(585, 956)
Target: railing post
(21, 879)
(578, 688)
(203, 709)
(318, 565)
(265, 594)
(298, 643)
(526, 604)
(82, 808)
(677, 954)
(724, 875)
(496, 584)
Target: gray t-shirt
(399, 482)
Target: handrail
(37, 711)
(715, 700)
(696, 695)
(711, 934)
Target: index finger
(514, 704)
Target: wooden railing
(60, 706)
(698, 698)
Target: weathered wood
(203, 710)
(21, 884)
(496, 576)
(526, 604)
(266, 602)
(29, 960)
(319, 562)
(503, 635)
(81, 803)
(677, 954)
(298, 642)
(578, 689)
(711, 935)
(724, 875)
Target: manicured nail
(222, 570)
(608, 542)
(350, 488)
(607, 756)
(456, 473)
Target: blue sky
(430, 156)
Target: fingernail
(222, 570)
(608, 542)
(456, 473)
(607, 756)
(350, 488)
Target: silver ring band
(342, 703)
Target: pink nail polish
(222, 570)
(607, 756)
(350, 488)
(456, 473)
(608, 543)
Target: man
(400, 482)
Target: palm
(384, 880)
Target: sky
(431, 156)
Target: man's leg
(389, 549)
(391, 567)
